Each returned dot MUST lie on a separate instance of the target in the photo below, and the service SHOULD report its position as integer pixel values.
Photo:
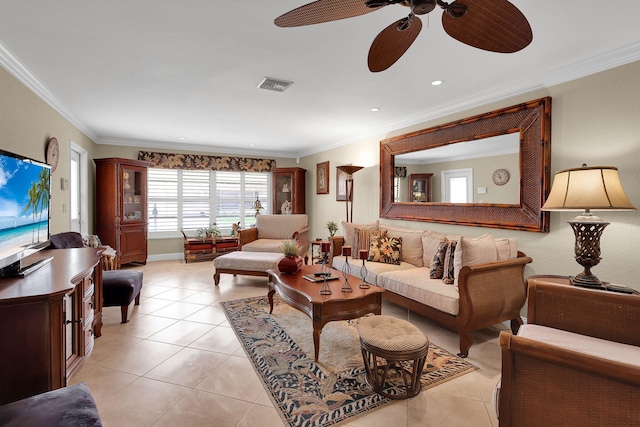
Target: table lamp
(587, 188)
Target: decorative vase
(290, 264)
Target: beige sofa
(488, 278)
(576, 361)
(272, 230)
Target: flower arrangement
(332, 227)
(290, 248)
(210, 231)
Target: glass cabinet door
(133, 194)
(283, 194)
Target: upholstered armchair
(272, 230)
(576, 362)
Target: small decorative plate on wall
(500, 176)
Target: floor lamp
(349, 170)
(587, 188)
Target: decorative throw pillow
(448, 275)
(436, 269)
(362, 239)
(385, 249)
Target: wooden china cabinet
(121, 207)
(288, 186)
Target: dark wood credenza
(47, 321)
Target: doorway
(78, 189)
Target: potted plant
(332, 227)
(292, 260)
(208, 232)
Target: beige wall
(26, 124)
(594, 121)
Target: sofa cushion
(436, 269)
(411, 243)
(474, 251)
(449, 275)
(264, 245)
(362, 240)
(610, 350)
(430, 243)
(349, 231)
(279, 226)
(385, 249)
(414, 283)
(373, 268)
(507, 248)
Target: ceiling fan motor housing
(422, 7)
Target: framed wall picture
(322, 178)
(341, 185)
(420, 187)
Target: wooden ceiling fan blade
(323, 11)
(496, 26)
(391, 44)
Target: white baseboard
(165, 257)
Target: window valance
(204, 162)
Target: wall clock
(53, 153)
(500, 176)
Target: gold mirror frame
(531, 119)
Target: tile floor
(177, 362)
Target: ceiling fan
(493, 25)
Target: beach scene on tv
(24, 204)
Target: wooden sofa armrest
(247, 235)
(544, 385)
(492, 293)
(601, 314)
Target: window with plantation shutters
(190, 199)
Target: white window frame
(265, 198)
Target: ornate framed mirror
(529, 124)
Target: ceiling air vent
(273, 84)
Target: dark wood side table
(317, 243)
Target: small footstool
(119, 288)
(400, 344)
(247, 263)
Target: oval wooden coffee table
(305, 296)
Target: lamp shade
(349, 169)
(587, 188)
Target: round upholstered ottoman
(388, 343)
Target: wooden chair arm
(601, 314)
(247, 235)
(491, 292)
(336, 248)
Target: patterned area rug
(307, 393)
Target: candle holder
(346, 252)
(325, 289)
(363, 255)
(325, 247)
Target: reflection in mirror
(481, 156)
(529, 122)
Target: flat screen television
(25, 199)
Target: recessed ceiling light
(252, 145)
(437, 82)
(182, 138)
(375, 109)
